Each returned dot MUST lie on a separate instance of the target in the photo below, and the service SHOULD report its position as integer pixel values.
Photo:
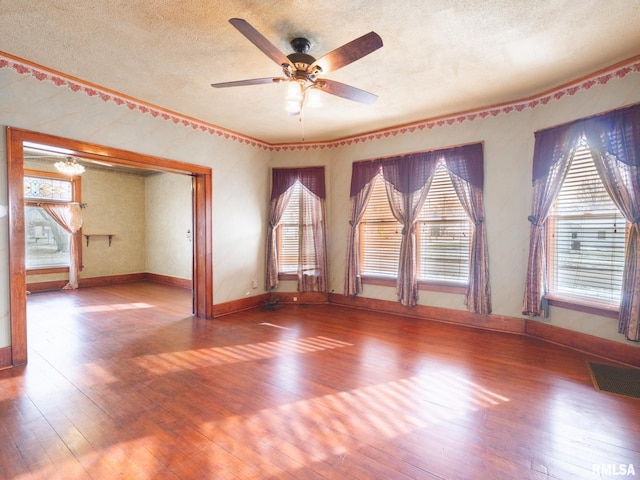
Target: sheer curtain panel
(69, 217)
(614, 140)
(362, 176)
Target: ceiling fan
(303, 71)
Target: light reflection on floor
(299, 433)
(342, 419)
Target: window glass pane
(380, 235)
(46, 242)
(443, 234)
(47, 189)
(587, 236)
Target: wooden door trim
(202, 221)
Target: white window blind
(443, 234)
(380, 235)
(587, 236)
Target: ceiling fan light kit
(301, 70)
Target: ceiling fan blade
(346, 91)
(348, 53)
(253, 81)
(255, 37)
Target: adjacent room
(329, 240)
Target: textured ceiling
(439, 57)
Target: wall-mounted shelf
(89, 235)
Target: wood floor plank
(123, 382)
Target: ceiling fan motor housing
(301, 60)
(300, 45)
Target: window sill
(46, 270)
(426, 286)
(287, 276)
(583, 306)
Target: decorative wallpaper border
(23, 67)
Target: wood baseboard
(85, 282)
(234, 306)
(584, 342)
(300, 298)
(110, 280)
(488, 322)
(6, 358)
(46, 286)
(167, 280)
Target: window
(289, 234)
(442, 235)
(46, 242)
(380, 235)
(586, 238)
(296, 238)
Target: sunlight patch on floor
(168, 362)
(113, 306)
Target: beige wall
(115, 203)
(168, 233)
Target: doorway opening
(202, 278)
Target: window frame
(567, 301)
(76, 189)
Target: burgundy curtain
(69, 217)
(312, 264)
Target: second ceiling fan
(304, 71)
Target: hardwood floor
(123, 383)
